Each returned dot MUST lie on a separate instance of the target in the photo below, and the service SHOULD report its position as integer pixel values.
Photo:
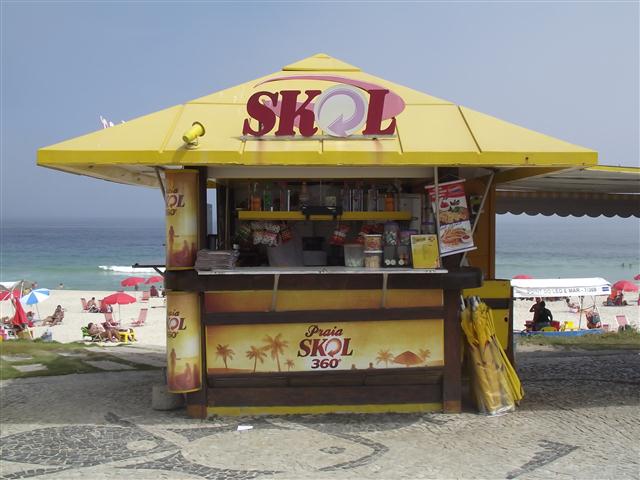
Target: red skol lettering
(289, 110)
(264, 115)
(305, 348)
(374, 115)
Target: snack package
(340, 235)
(244, 233)
(270, 239)
(285, 233)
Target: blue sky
(569, 70)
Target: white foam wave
(126, 270)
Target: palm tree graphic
(289, 363)
(424, 353)
(276, 346)
(226, 353)
(257, 354)
(384, 356)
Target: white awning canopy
(560, 287)
(9, 285)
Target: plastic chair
(84, 304)
(142, 317)
(127, 336)
(623, 323)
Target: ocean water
(91, 255)
(82, 255)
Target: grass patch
(48, 354)
(626, 340)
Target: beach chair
(108, 317)
(92, 338)
(623, 323)
(142, 317)
(84, 304)
(145, 296)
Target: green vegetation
(626, 340)
(49, 354)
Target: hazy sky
(569, 70)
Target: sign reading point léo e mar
(349, 107)
(309, 347)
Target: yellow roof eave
(430, 132)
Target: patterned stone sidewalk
(579, 420)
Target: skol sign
(340, 110)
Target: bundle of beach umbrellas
(495, 383)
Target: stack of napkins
(216, 259)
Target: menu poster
(455, 227)
(424, 251)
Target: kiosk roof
(430, 132)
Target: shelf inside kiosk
(323, 226)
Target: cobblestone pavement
(580, 419)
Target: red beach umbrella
(131, 281)
(154, 279)
(20, 317)
(120, 298)
(625, 286)
(521, 276)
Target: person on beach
(153, 291)
(56, 318)
(573, 307)
(111, 328)
(593, 320)
(534, 309)
(92, 306)
(543, 317)
(98, 330)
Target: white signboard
(560, 287)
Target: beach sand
(561, 313)
(154, 334)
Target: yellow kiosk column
(184, 326)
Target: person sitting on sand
(153, 291)
(92, 306)
(619, 301)
(543, 317)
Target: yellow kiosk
(317, 152)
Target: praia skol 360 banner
(181, 218)
(183, 342)
(286, 347)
